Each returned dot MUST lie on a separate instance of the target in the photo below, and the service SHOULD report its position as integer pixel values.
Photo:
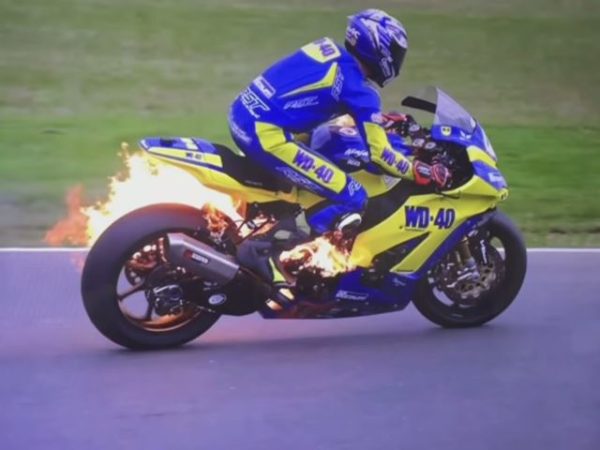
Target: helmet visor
(391, 65)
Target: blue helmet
(379, 42)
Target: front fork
(465, 259)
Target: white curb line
(85, 249)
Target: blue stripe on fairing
(489, 174)
(453, 240)
(203, 145)
(445, 247)
(191, 162)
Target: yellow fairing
(205, 158)
(395, 230)
(476, 187)
(476, 154)
(214, 178)
(431, 216)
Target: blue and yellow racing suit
(318, 82)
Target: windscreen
(446, 110)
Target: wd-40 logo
(304, 160)
(420, 217)
(308, 163)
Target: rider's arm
(381, 151)
(364, 105)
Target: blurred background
(78, 77)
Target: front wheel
(455, 296)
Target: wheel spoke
(147, 271)
(132, 290)
(149, 309)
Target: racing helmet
(379, 42)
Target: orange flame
(145, 182)
(321, 255)
(72, 229)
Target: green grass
(79, 77)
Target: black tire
(496, 301)
(103, 267)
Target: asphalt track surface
(529, 380)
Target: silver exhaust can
(200, 259)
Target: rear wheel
(453, 296)
(131, 293)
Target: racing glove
(403, 124)
(425, 174)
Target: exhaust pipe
(201, 259)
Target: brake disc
(143, 262)
(469, 291)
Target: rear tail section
(219, 168)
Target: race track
(529, 380)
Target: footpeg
(282, 298)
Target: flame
(144, 182)
(72, 229)
(322, 256)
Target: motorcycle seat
(249, 173)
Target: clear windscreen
(448, 112)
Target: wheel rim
(469, 301)
(144, 275)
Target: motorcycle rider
(320, 81)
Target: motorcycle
(450, 252)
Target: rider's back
(319, 81)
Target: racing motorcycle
(162, 275)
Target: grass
(79, 77)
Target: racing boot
(342, 237)
(349, 225)
(345, 231)
(261, 254)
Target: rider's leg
(310, 170)
(275, 149)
